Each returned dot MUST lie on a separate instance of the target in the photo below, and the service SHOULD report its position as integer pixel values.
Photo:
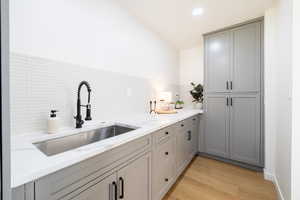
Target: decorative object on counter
(153, 107)
(197, 94)
(78, 117)
(179, 103)
(165, 99)
(166, 111)
(53, 122)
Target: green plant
(197, 92)
(180, 102)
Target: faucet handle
(88, 112)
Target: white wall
(271, 82)
(55, 44)
(296, 102)
(94, 33)
(278, 94)
(191, 70)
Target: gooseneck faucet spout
(78, 117)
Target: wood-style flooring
(207, 179)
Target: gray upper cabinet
(245, 129)
(246, 58)
(218, 70)
(216, 125)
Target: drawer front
(162, 134)
(195, 120)
(163, 166)
(56, 185)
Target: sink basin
(60, 145)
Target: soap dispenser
(53, 122)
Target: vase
(198, 105)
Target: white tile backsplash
(39, 85)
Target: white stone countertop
(28, 163)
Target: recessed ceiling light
(197, 11)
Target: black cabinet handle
(167, 133)
(189, 135)
(166, 179)
(194, 119)
(121, 180)
(166, 153)
(227, 101)
(231, 85)
(115, 190)
(231, 102)
(227, 85)
(182, 125)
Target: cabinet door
(134, 179)
(182, 147)
(216, 125)
(217, 62)
(246, 58)
(195, 134)
(104, 190)
(245, 129)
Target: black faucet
(78, 117)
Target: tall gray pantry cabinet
(234, 94)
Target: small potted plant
(197, 94)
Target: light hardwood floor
(207, 179)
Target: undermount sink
(60, 145)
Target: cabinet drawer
(163, 180)
(180, 125)
(56, 185)
(162, 134)
(164, 171)
(195, 120)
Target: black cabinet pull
(182, 125)
(166, 179)
(227, 85)
(166, 153)
(227, 101)
(231, 85)
(121, 180)
(231, 102)
(189, 135)
(194, 119)
(167, 133)
(115, 190)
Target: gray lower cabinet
(232, 127)
(182, 146)
(104, 190)
(217, 125)
(143, 169)
(195, 134)
(131, 182)
(134, 180)
(245, 129)
(163, 167)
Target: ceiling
(173, 20)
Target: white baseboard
(270, 177)
(279, 192)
